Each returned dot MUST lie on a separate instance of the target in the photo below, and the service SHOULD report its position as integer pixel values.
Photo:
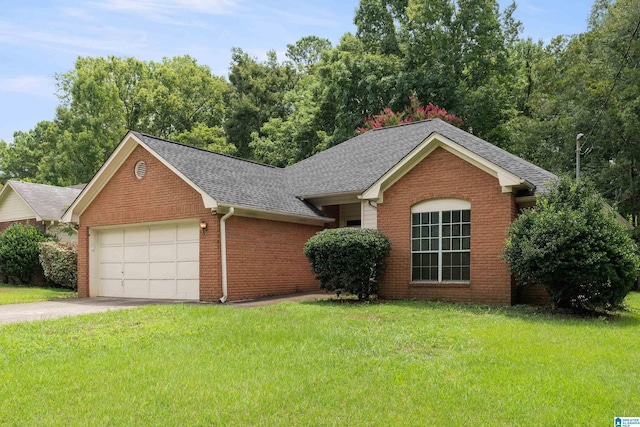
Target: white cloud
(40, 86)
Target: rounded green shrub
(19, 251)
(572, 244)
(59, 261)
(349, 260)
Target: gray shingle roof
(359, 162)
(48, 201)
(352, 166)
(230, 180)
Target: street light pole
(578, 137)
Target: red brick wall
(31, 221)
(160, 196)
(444, 175)
(266, 258)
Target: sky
(39, 38)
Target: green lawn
(10, 294)
(398, 363)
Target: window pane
(465, 273)
(434, 217)
(466, 244)
(424, 271)
(456, 273)
(455, 230)
(456, 258)
(415, 274)
(434, 231)
(415, 219)
(466, 259)
(455, 244)
(446, 273)
(446, 217)
(425, 231)
(446, 244)
(455, 216)
(425, 218)
(446, 230)
(415, 232)
(415, 245)
(415, 260)
(434, 244)
(433, 260)
(466, 230)
(466, 216)
(424, 262)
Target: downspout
(223, 250)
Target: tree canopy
(467, 57)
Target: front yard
(397, 363)
(11, 294)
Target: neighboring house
(39, 205)
(165, 220)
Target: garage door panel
(162, 252)
(138, 253)
(188, 289)
(111, 254)
(188, 251)
(111, 237)
(188, 270)
(162, 270)
(111, 271)
(152, 261)
(136, 270)
(188, 232)
(136, 235)
(111, 288)
(165, 233)
(163, 288)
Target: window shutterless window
(441, 242)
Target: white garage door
(152, 261)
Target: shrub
(348, 259)
(59, 262)
(19, 251)
(573, 245)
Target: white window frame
(439, 206)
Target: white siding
(13, 208)
(369, 216)
(349, 212)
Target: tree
(257, 91)
(573, 245)
(414, 112)
(306, 52)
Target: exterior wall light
(203, 226)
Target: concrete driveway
(27, 312)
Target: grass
(397, 363)
(12, 294)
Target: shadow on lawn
(628, 317)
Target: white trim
(253, 212)
(223, 253)
(505, 178)
(434, 205)
(333, 198)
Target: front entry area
(147, 261)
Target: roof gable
(357, 164)
(48, 202)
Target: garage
(148, 261)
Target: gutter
(223, 252)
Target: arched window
(441, 241)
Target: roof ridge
(206, 151)
(406, 124)
(19, 181)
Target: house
(165, 220)
(39, 205)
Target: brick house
(37, 204)
(165, 220)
